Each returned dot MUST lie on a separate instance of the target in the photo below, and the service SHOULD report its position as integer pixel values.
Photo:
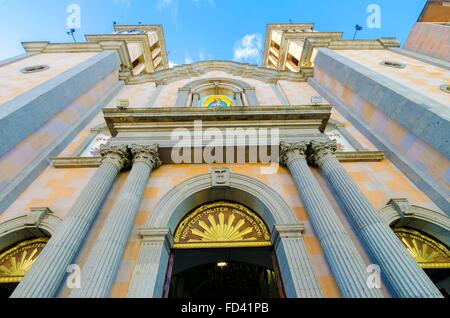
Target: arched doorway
(16, 261)
(222, 249)
(433, 256)
(149, 277)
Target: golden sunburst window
(221, 224)
(17, 261)
(426, 251)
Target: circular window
(445, 88)
(34, 68)
(393, 64)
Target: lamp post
(357, 28)
(71, 32)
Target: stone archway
(21, 240)
(286, 233)
(426, 235)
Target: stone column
(295, 266)
(104, 260)
(46, 275)
(345, 262)
(151, 268)
(401, 271)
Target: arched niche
(39, 222)
(21, 241)
(426, 235)
(286, 235)
(400, 213)
(241, 92)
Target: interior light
(222, 264)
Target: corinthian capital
(146, 154)
(116, 155)
(291, 151)
(323, 150)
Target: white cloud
(172, 64)
(201, 56)
(248, 49)
(188, 59)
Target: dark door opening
(223, 273)
(441, 278)
(6, 289)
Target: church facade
(324, 172)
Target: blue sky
(200, 29)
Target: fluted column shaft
(401, 271)
(104, 259)
(345, 262)
(47, 273)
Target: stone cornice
(133, 118)
(94, 162)
(119, 46)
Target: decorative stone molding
(238, 87)
(36, 216)
(94, 162)
(323, 150)
(146, 154)
(291, 151)
(200, 68)
(38, 222)
(400, 213)
(220, 177)
(401, 206)
(140, 119)
(116, 155)
(157, 236)
(286, 231)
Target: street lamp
(71, 32)
(357, 28)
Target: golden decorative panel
(17, 261)
(425, 250)
(219, 225)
